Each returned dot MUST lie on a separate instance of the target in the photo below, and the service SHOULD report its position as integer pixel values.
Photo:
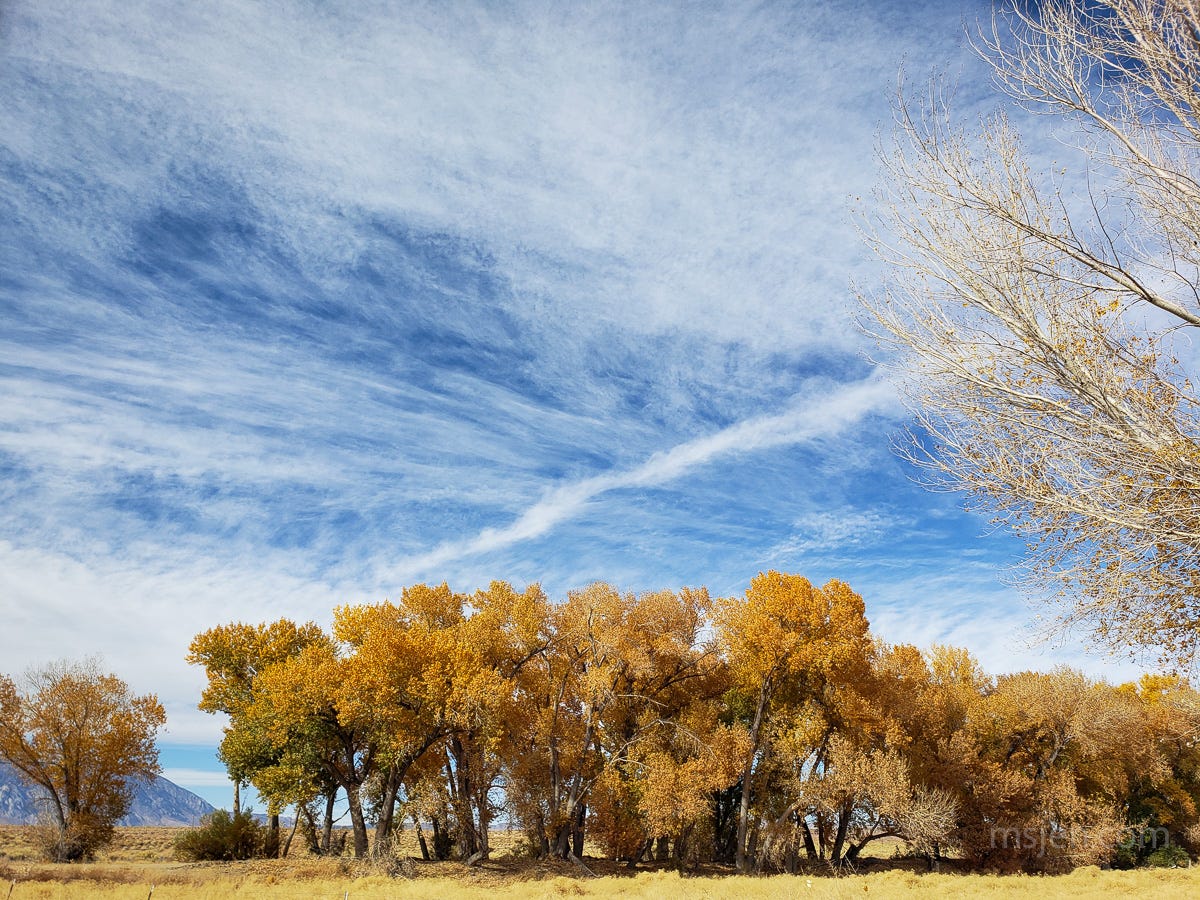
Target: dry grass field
(140, 866)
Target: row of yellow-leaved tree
(761, 731)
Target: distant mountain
(158, 802)
(162, 802)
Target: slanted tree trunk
(387, 806)
(810, 847)
(421, 839)
(287, 845)
(327, 824)
(747, 774)
(311, 836)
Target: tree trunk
(442, 841)
(662, 849)
(747, 773)
(810, 847)
(421, 840)
(357, 822)
(539, 839)
(287, 845)
(840, 839)
(272, 846)
(485, 822)
(387, 806)
(458, 771)
(310, 832)
(577, 833)
(327, 824)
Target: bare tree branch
(1035, 330)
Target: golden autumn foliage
(255, 747)
(790, 647)
(79, 735)
(768, 731)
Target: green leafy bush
(1168, 858)
(222, 836)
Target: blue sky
(302, 303)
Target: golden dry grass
(18, 843)
(140, 860)
(213, 884)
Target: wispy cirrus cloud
(300, 303)
(347, 279)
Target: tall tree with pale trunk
(1045, 316)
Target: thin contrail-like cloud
(821, 418)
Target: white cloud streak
(825, 418)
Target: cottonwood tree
(662, 748)
(405, 663)
(932, 703)
(1047, 319)
(233, 657)
(789, 645)
(614, 701)
(304, 701)
(294, 730)
(869, 794)
(80, 735)
(436, 673)
(850, 766)
(1056, 752)
(510, 630)
(1168, 795)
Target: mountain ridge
(156, 802)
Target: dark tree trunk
(724, 812)
(810, 847)
(577, 833)
(747, 774)
(272, 842)
(387, 806)
(357, 822)
(839, 840)
(421, 840)
(442, 840)
(327, 823)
